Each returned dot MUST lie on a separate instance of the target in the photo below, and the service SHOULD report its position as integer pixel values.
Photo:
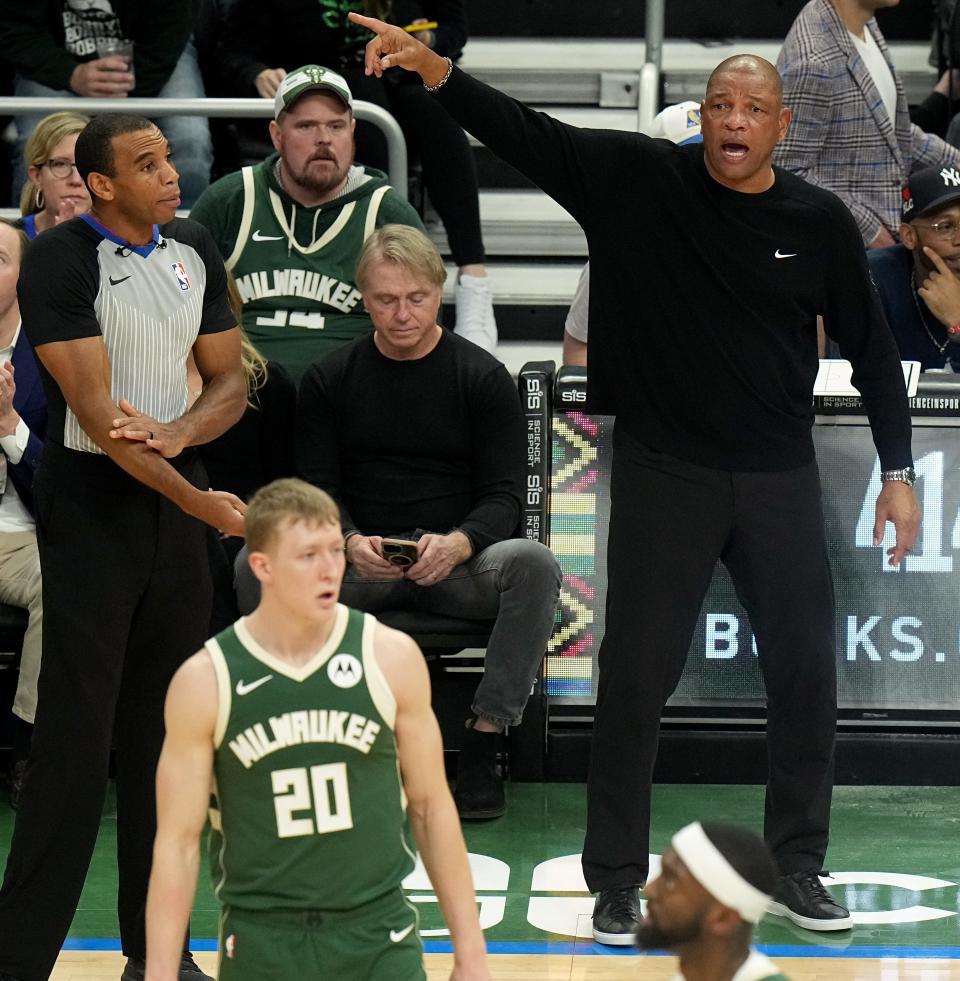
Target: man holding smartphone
(917, 280)
(416, 428)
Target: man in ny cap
(715, 883)
(290, 228)
(918, 279)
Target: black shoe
(802, 898)
(479, 795)
(616, 916)
(18, 773)
(189, 971)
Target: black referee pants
(670, 522)
(126, 596)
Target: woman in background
(55, 191)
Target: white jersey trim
(346, 213)
(377, 684)
(291, 671)
(376, 199)
(246, 220)
(222, 672)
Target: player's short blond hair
(285, 500)
(401, 245)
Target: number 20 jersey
(308, 809)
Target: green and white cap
(306, 79)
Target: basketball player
(715, 883)
(312, 724)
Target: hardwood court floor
(895, 857)
(82, 966)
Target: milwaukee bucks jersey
(310, 812)
(296, 277)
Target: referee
(113, 302)
(709, 270)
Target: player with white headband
(715, 882)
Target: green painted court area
(896, 846)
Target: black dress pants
(670, 522)
(126, 595)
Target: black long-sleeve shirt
(703, 300)
(435, 443)
(33, 39)
(257, 36)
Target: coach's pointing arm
(565, 161)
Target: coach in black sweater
(710, 269)
(419, 434)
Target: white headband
(705, 863)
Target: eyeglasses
(946, 228)
(60, 168)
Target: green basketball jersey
(294, 267)
(311, 812)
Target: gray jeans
(516, 582)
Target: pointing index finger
(377, 26)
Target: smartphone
(401, 552)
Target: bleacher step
(525, 284)
(521, 223)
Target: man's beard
(319, 185)
(653, 937)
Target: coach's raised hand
(393, 47)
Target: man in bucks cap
(714, 884)
(312, 724)
(306, 79)
(290, 228)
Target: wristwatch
(906, 475)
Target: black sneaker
(616, 916)
(135, 969)
(479, 795)
(802, 898)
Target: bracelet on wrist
(443, 81)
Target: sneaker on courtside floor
(189, 971)
(802, 898)
(475, 319)
(616, 916)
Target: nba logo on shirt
(181, 275)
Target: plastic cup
(111, 47)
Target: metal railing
(229, 108)
(649, 97)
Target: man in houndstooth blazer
(842, 136)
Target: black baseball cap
(929, 190)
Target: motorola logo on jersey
(344, 671)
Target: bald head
(748, 64)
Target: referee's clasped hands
(167, 439)
(219, 509)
